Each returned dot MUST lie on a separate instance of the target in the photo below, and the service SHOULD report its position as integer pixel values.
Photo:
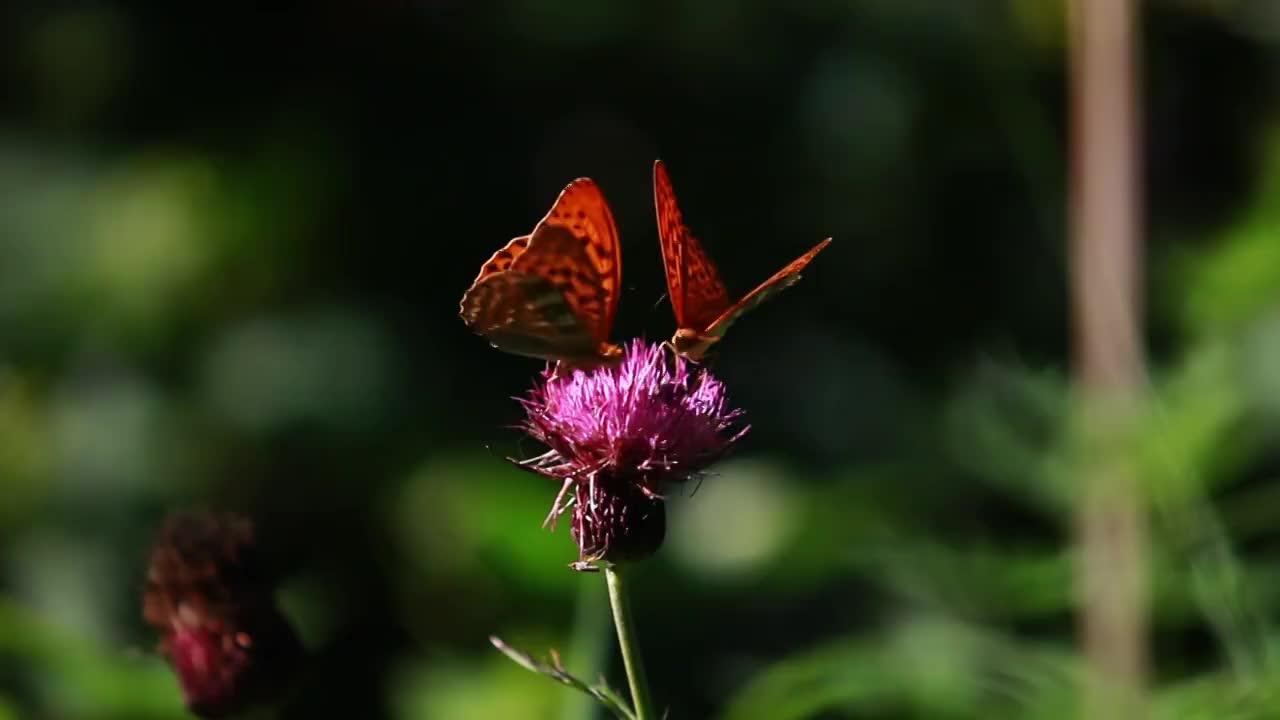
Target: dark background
(232, 245)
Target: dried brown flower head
(210, 597)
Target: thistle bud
(617, 522)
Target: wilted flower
(213, 602)
(619, 436)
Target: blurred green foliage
(231, 249)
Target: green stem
(628, 646)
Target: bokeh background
(232, 246)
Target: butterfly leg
(562, 369)
(693, 356)
(554, 373)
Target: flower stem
(628, 646)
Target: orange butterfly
(699, 298)
(552, 294)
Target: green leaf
(553, 669)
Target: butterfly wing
(575, 249)
(697, 294)
(502, 259)
(671, 232)
(526, 314)
(781, 280)
(553, 294)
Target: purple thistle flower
(619, 436)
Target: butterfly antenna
(661, 297)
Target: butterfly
(552, 294)
(698, 297)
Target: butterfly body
(552, 294)
(699, 298)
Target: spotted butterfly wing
(779, 281)
(698, 296)
(502, 259)
(553, 293)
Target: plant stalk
(628, 646)
(1106, 282)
